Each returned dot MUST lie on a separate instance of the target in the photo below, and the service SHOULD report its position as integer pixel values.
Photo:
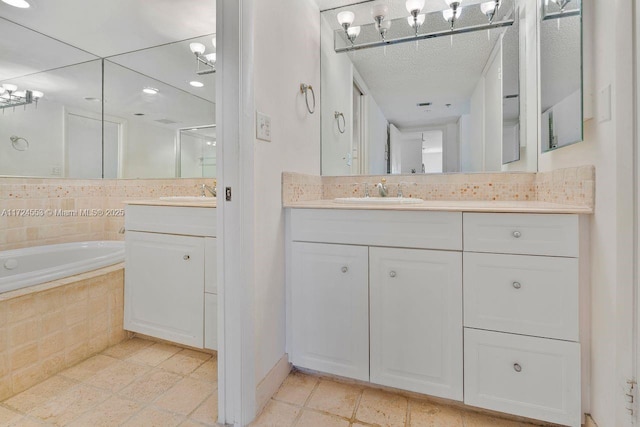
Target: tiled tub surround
(570, 186)
(50, 327)
(74, 195)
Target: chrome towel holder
(337, 116)
(304, 89)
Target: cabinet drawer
(190, 221)
(530, 295)
(405, 229)
(531, 377)
(554, 235)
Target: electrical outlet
(263, 126)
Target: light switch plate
(263, 126)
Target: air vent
(511, 96)
(425, 104)
(138, 114)
(166, 121)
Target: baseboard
(272, 382)
(589, 422)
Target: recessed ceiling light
(424, 104)
(22, 4)
(196, 83)
(150, 90)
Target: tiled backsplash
(32, 210)
(571, 186)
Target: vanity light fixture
(22, 4)
(562, 4)
(196, 83)
(453, 13)
(345, 19)
(414, 7)
(10, 96)
(208, 60)
(150, 90)
(490, 9)
(379, 12)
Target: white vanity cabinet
(351, 280)
(170, 273)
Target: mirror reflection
(118, 103)
(429, 90)
(561, 74)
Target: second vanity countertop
(452, 206)
(206, 202)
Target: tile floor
(308, 401)
(135, 383)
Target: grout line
(407, 422)
(356, 406)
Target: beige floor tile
(155, 354)
(150, 386)
(276, 414)
(335, 398)
(8, 416)
(189, 423)
(383, 408)
(112, 412)
(427, 414)
(316, 419)
(117, 376)
(208, 371)
(197, 354)
(39, 394)
(69, 405)
(152, 417)
(185, 396)
(296, 388)
(89, 367)
(29, 422)
(127, 348)
(182, 363)
(474, 419)
(360, 425)
(207, 413)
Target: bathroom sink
(188, 199)
(378, 200)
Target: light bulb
(209, 142)
(9, 87)
(211, 57)
(150, 90)
(415, 6)
(196, 83)
(417, 21)
(448, 14)
(37, 94)
(20, 94)
(353, 33)
(197, 48)
(488, 7)
(379, 11)
(1, 90)
(214, 42)
(384, 25)
(22, 4)
(345, 18)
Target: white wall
(451, 146)
(411, 154)
(287, 42)
(609, 146)
(377, 138)
(149, 151)
(493, 112)
(473, 145)
(43, 129)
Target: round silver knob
(345, 269)
(517, 234)
(517, 285)
(517, 367)
(186, 257)
(392, 274)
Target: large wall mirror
(127, 91)
(561, 94)
(421, 87)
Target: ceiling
(442, 71)
(44, 47)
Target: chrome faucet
(382, 187)
(204, 188)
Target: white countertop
(452, 206)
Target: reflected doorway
(196, 152)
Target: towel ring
(337, 116)
(305, 88)
(15, 143)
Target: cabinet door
(164, 286)
(330, 316)
(416, 320)
(211, 321)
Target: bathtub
(21, 268)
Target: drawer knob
(392, 274)
(345, 269)
(517, 234)
(186, 257)
(517, 285)
(517, 367)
